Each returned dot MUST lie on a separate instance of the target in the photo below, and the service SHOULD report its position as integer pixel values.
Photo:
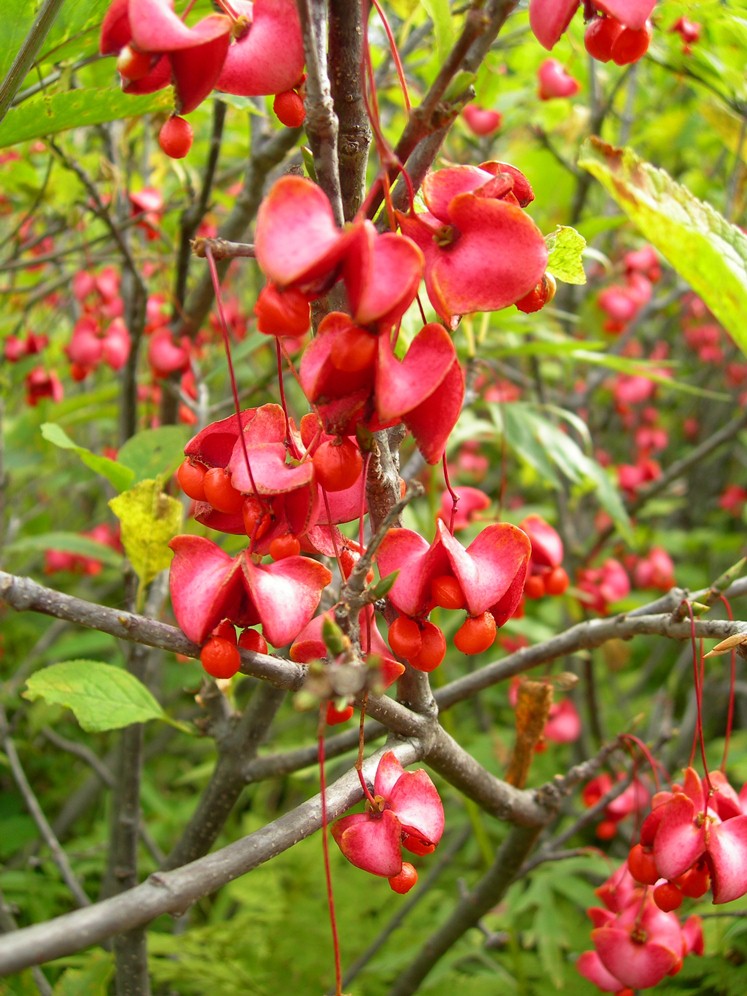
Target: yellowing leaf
(699, 243)
(566, 248)
(149, 519)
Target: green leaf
(566, 248)
(439, 13)
(18, 16)
(118, 476)
(47, 114)
(384, 586)
(103, 697)
(154, 452)
(554, 454)
(149, 520)
(83, 546)
(698, 242)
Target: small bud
(334, 638)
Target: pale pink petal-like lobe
(416, 803)
(371, 842)
(296, 238)
(269, 57)
(388, 773)
(489, 565)
(590, 966)
(630, 13)
(636, 965)
(679, 841)
(441, 186)
(433, 421)
(381, 275)
(549, 19)
(205, 585)
(727, 851)
(402, 385)
(286, 594)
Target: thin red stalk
(227, 345)
(332, 530)
(698, 677)
(288, 434)
(395, 55)
(417, 296)
(325, 851)
(361, 744)
(383, 149)
(654, 764)
(732, 688)
(454, 496)
(289, 361)
(228, 9)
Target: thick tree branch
(174, 891)
(321, 120)
(487, 893)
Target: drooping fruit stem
(325, 851)
(229, 359)
(732, 688)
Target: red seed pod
(476, 634)
(668, 897)
(133, 65)
(556, 582)
(256, 517)
(600, 36)
(405, 880)
(642, 866)
(191, 478)
(175, 137)
(447, 592)
(338, 464)
(631, 45)
(405, 637)
(534, 586)
(289, 109)
(219, 491)
(433, 650)
(539, 296)
(220, 658)
(284, 546)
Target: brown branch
(175, 891)
(344, 61)
(23, 594)
(584, 636)
(321, 120)
(236, 749)
(471, 908)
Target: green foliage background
(265, 933)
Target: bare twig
(59, 856)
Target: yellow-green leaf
(566, 248)
(149, 519)
(698, 242)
